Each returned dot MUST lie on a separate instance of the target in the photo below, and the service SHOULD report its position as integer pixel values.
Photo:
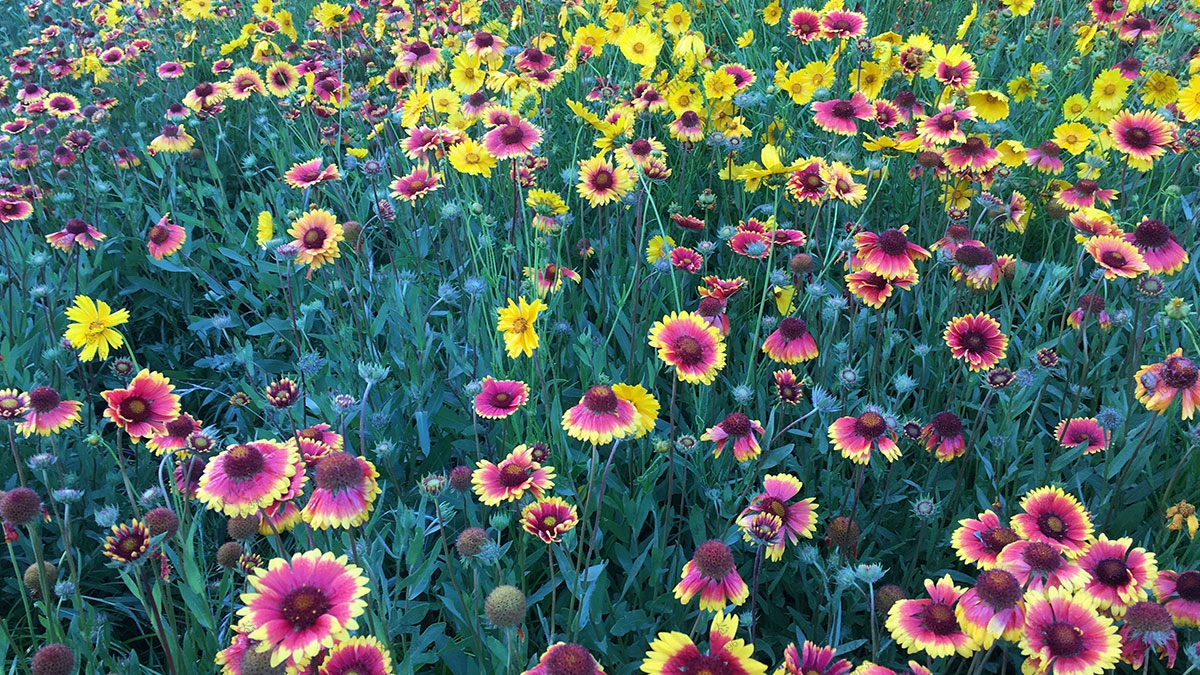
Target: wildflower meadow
(585, 337)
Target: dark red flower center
(513, 475)
(689, 350)
(303, 606)
(181, 427)
(1152, 234)
(1042, 557)
(792, 328)
(159, 234)
(640, 147)
(44, 399)
(946, 122)
(974, 341)
(501, 399)
(1112, 572)
(76, 226)
(314, 238)
(512, 134)
(1187, 586)
(1113, 259)
(946, 424)
(893, 242)
(773, 506)
(710, 307)
(1049, 149)
(1086, 187)
(1138, 138)
(706, 664)
(600, 400)
(1179, 372)
(973, 146)
(338, 471)
(569, 659)
(203, 89)
(939, 618)
(737, 425)
(484, 40)
(870, 425)
(1063, 640)
(1052, 525)
(1148, 617)
(602, 180)
(243, 462)
(843, 110)
(973, 256)
(1092, 303)
(998, 588)
(1140, 23)
(713, 559)
(689, 118)
(135, 409)
(996, 538)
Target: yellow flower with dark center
(91, 330)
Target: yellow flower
(676, 19)
(1181, 514)
(1109, 89)
(1073, 137)
(868, 79)
(1019, 7)
(641, 45)
(467, 75)
(772, 13)
(719, 84)
(658, 248)
(745, 39)
(1074, 107)
(516, 322)
(266, 228)
(967, 21)
(1189, 100)
(471, 158)
(784, 299)
(1160, 90)
(91, 330)
(990, 105)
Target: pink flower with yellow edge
(791, 342)
(1159, 383)
(943, 435)
(1076, 430)
(566, 658)
(359, 655)
(175, 435)
(549, 519)
(980, 540)
(247, 477)
(282, 515)
(76, 231)
(674, 653)
(164, 238)
(509, 480)
(1120, 573)
(1180, 594)
(742, 431)
(1066, 634)
(500, 398)
(976, 340)
(308, 173)
(712, 574)
(346, 488)
(993, 609)
(48, 413)
(856, 437)
(144, 407)
(812, 659)
(889, 254)
(1038, 565)
(1055, 517)
(929, 624)
(1158, 246)
(691, 344)
(799, 518)
(302, 605)
(1117, 257)
(601, 416)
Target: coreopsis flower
(1148, 628)
(1116, 256)
(791, 342)
(91, 329)
(711, 573)
(127, 543)
(943, 436)
(516, 322)
(674, 652)
(976, 339)
(316, 235)
(1159, 383)
(1178, 515)
(602, 415)
(798, 519)
(509, 480)
(856, 437)
(567, 658)
(1056, 518)
(359, 655)
(500, 398)
(1180, 594)
(302, 605)
(929, 624)
(741, 431)
(47, 413)
(471, 158)
(1071, 432)
(1158, 246)
(690, 344)
(1064, 633)
(1143, 136)
(993, 609)
(980, 540)
(345, 490)
(812, 659)
(1119, 572)
(889, 254)
(640, 44)
(76, 231)
(144, 407)
(248, 477)
(549, 519)
(309, 173)
(164, 238)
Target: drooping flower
(1148, 628)
(943, 435)
(739, 429)
(48, 413)
(1039, 565)
(929, 624)
(359, 655)
(977, 340)
(500, 398)
(516, 322)
(91, 330)
(549, 519)
(511, 478)
(838, 116)
(791, 342)
(799, 519)
(247, 477)
(302, 605)
(1056, 518)
(674, 653)
(856, 437)
(600, 416)
(345, 490)
(1120, 573)
(688, 342)
(165, 238)
(76, 231)
(1065, 634)
(1071, 432)
(1158, 246)
(144, 407)
(175, 435)
(712, 574)
(993, 609)
(889, 254)
(1158, 384)
(1180, 594)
